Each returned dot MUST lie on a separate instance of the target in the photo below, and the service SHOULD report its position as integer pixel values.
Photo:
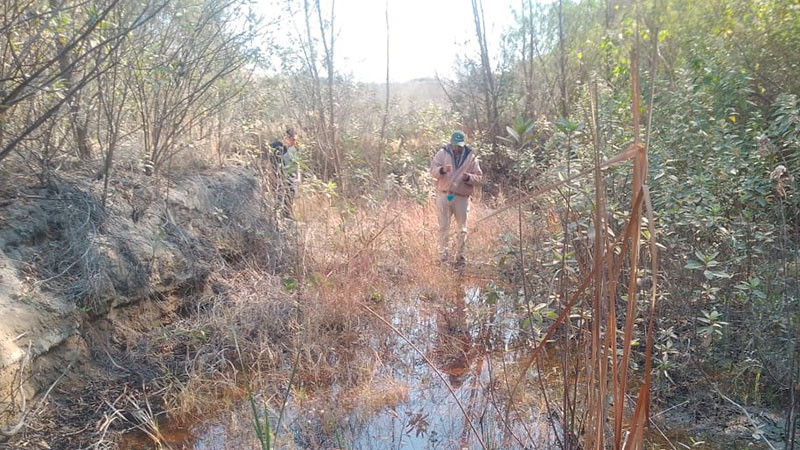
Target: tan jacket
(453, 181)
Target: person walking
(287, 162)
(457, 171)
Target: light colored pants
(458, 207)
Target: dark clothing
(279, 154)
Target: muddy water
(467, 336)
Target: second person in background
(288, 164)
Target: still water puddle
(465, 339)
(407, 406)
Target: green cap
(458, 138)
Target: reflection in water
(454, 351)
(459, 334)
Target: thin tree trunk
(525, 68)
(530, 106)
(490, 77)
(331, 77)
(328, 46)
(79, 129)
(382, 142)
(490, 95)
(561, 61)
(564, 280)
(219, 135)
(316, 89)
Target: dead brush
(147, 421)
(372, 256)
(72, 265)
(347, 259)
(242, 229)
(264, 317)
(273, 326)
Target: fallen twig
(671, 408)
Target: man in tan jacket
(457, 172)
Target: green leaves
(493, 294)
(711, 274)
(694, 265)
(566, 126)
(751, 287)
(712, 324)
(290, 284)
(521, 133)
(539, 313)
(707, 264)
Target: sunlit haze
(425, 35)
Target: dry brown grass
(344, 260)
(394, 245)
(272, 326)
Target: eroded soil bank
(82, 282)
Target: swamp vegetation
(633, 276)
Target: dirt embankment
(78, 281)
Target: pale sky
(426, 35)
